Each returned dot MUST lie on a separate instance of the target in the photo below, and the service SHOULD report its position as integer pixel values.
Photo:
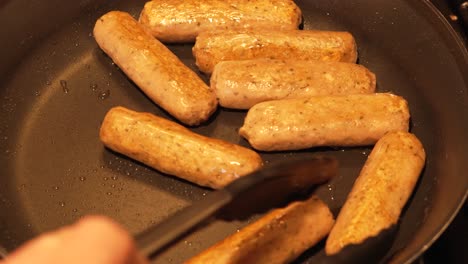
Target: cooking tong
(255, 193)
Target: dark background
(451, 247)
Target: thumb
(93, 240)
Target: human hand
(92, 240)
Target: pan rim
(461, 48)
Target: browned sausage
(242, 84)
(183, 20)
(340, 120)
(215, 46)
(154, 68)
(175, 150)
(278, 237)
(380, 192)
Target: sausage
(380, 192)
(339, 120)
(242, 84)
(278, 237)
(173, 149)
(212, 47)
(183, 20)
(154, 68)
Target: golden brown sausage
(154, 68)
(340, 120)
(175, 150)
(242, 84)
(380, 192)
(278, 237)
(183, 20)
(215, 46)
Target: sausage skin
(212, 47)
(339, 120)
(380, 192)
(173, 149)
(278, 237)
(154, 68)
(242, 84)
(183, 20)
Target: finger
(93, 240)
(42, 249)
(100, 240)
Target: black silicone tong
(255, 193)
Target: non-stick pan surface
(56, 86)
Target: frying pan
(56, 86)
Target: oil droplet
(114, 178)
(94, 87)
(109, 193)
(56, 188)
(106, 178)
(113, 185)
(120, 189)
(37, 93)
(104, 94)
(75, 210)
(82, 178)
(127, 173)
(64, 85)
(62, 204)
(331, 189)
